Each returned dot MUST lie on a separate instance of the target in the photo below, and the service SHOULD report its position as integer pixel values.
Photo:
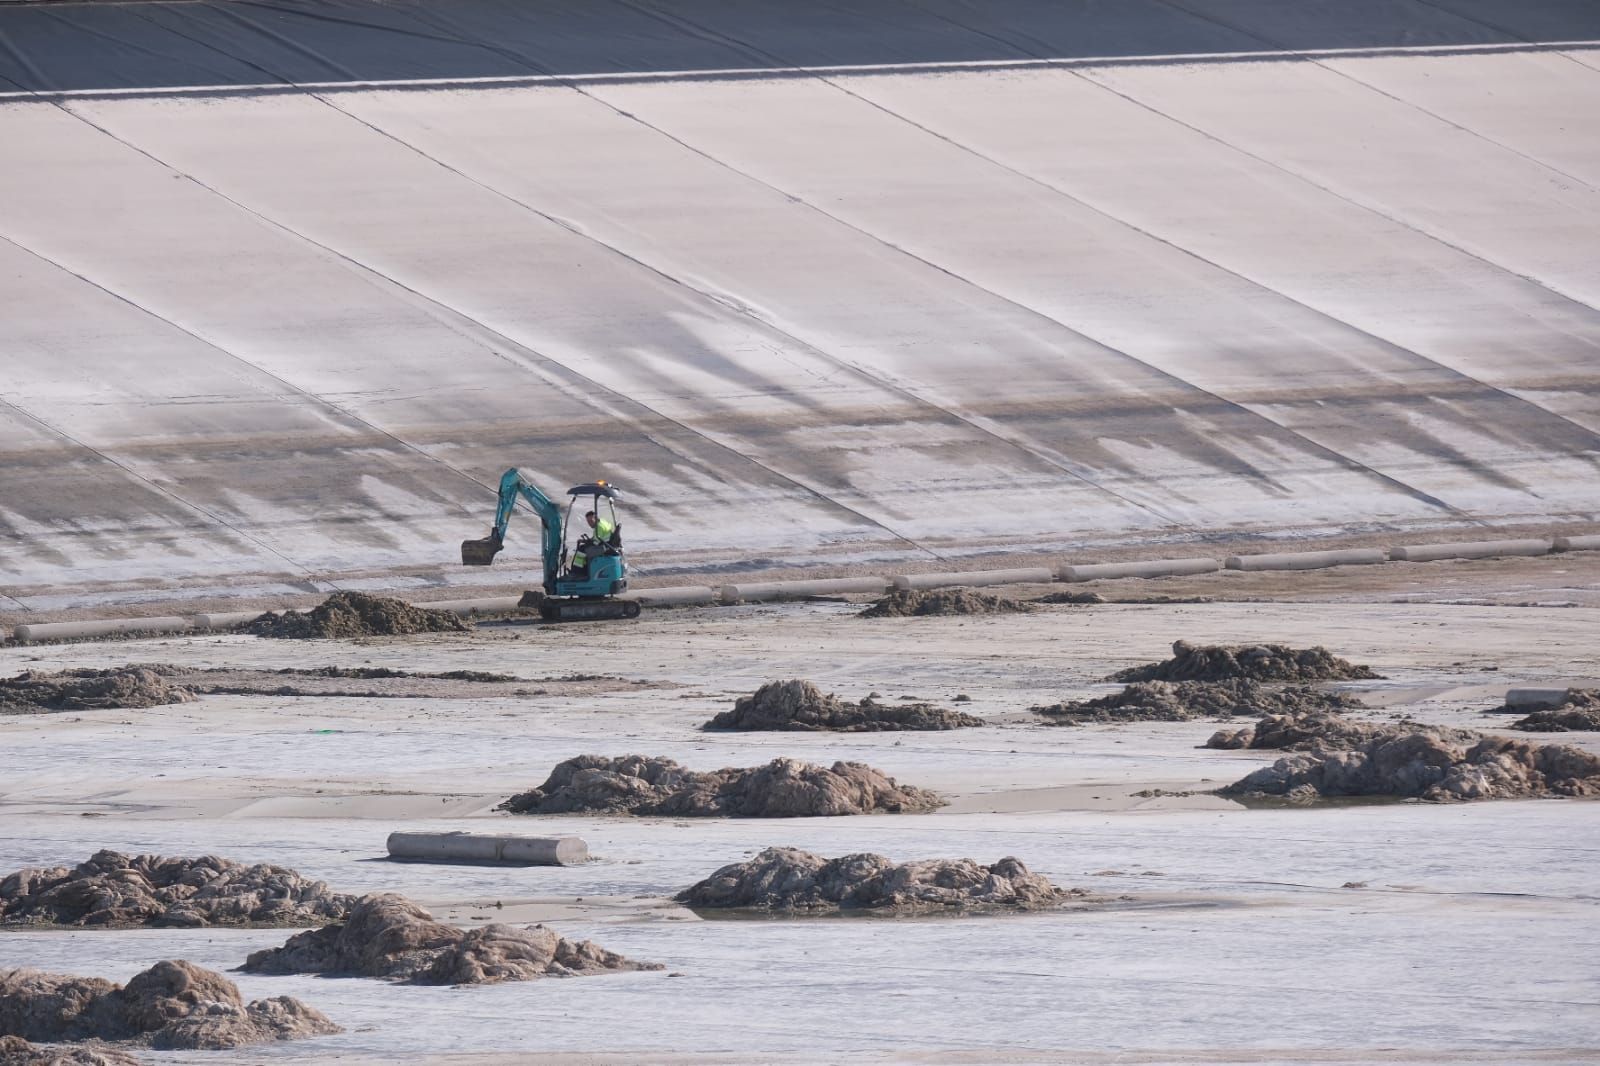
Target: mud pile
(1257, 662)
(801, 706)
(380, 682)
(15, 1051)
(1182, 701)
(370, 673)
(388, 936)
(784, 788)
(151, 684)
(34, 691)
(1322, 730)
(172, 1006)
(1578, 711)
(787, 879)
(1425, 765)
(368, 682)
(1295, 732)
(111, 889)
(904, 603)
(1069, 597)
(356, 614)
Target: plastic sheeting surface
(288, 284)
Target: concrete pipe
(1147, 568)
(1534, 698)
(759, 591)
(682, 596)
(225, 619)
(1479, 549)
(975, 578)
(1307, 560)
(468, 608)
(500, 848)
(104, 627)
(1577, 544)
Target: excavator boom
(481, 552)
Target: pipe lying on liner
(466, 608)
(225, 619)
(1027, 575)
(468, 847)
(1535, 697)
(102, 628)
(1307, 560)
(1577, 544)
(755, 592)
(1147, 568)
(686, 595)
(1480, 549)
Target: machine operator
(596, 542)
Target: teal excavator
(579, 587)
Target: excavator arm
(513, 484)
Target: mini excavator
(580, 587)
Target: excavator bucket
(480, 552)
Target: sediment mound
(1321, 730)
(1578, 711)
(788, 879)
(388, 936)
(1295, 732)
(370, 673)
(904, 603)
(112, 889)
(151, 684)
(784, 788)
(801, 706)
(172, 1006)
(1182, 701)
(33, 691)
(1560, 720)
(1257, 662)
(1425, 765)
(374, 682)
(356, 614)
(15, 1051)
(1069, 597)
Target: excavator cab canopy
(596, 488)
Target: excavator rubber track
(587, 610)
